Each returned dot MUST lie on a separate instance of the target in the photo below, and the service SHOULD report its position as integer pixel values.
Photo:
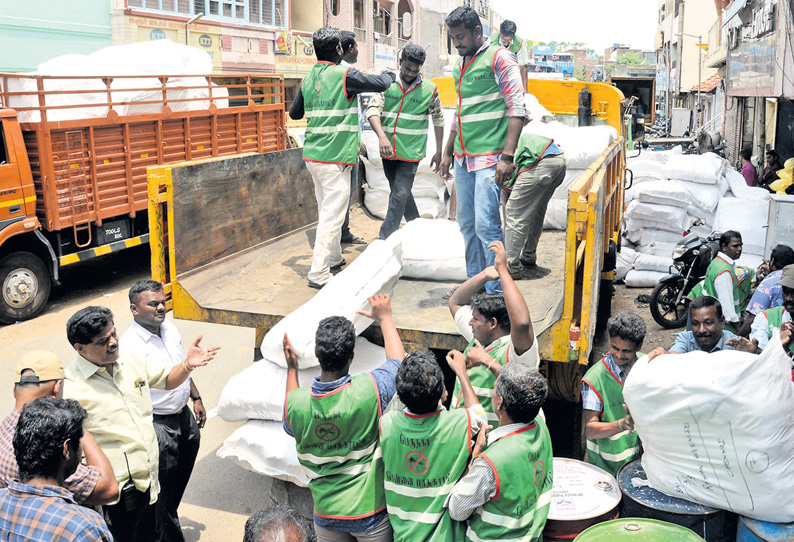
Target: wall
(46, 33)
(306, 15)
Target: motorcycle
(692, 255)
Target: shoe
(315, 285)
(339, 265)
(515, 276)
(354, 240)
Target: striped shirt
(508, 77)
(590, 400)
(81, 484)
(35, 513)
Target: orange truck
(74, 154)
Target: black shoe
(315, 285)
(339, 265)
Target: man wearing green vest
(335, 423)
(778, 318)
(540, 169)
(484, 133)
(426, 449)
(609, 429)
(506, 37)
(327, 96)
(507, 491)
(399, 117)
(501, 322)
(726, 281)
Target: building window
(258, 12)
(334, 7)
(381, 18)
(358, 11)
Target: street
(221, 495)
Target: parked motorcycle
(691, 258)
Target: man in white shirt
(151, 336)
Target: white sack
(582, 145)
(704, 196)
(643, 279)
(740, 189)
(258, 392)
(376, 271)
(647, 262)
(650, 237)
(657, 249)
(637, 224)
(661, 192)
(433, 250)
(717, 428)
(674, 217)
(263, 447)
(696, 212)
(643, 168)
(702, 168)
(748, 217)
(556, 217)
(625, 262)
(658, 156)
(534, 109)
(571, 176)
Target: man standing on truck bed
(327, 96)
(506, 37)
(488, 121)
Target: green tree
(630, 58)
(579, 73)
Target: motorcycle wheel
(663, 306)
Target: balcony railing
(361, 35)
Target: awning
(735, 7)
(709, 84)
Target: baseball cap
(787, 278)
(45, 366)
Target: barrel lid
(653, 499)
(629, 529)
(581, 491)
(772, 532)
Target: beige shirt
(120, 414)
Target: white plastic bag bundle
(556, 217)
(661, 192)
(571, 176)
(637, 224)
(740, 189)
(376, 271)
(263, 447)
(650, 237)
(644, 168)
(703, 168)
(675, 217)
(625, 262)
(717, 428)
(748, 218)
(657, 249)
(582, 145)
(643, 279)
(432, 250)
(696, 212)
(258, 392)
(648, 262)
(704, 196)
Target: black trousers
(132, 519)
(178, 438)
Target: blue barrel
(753, 530)
(712, 524)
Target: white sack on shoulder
(376, 271)
(716, 428)
(432, 250)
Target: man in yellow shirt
(114, 391)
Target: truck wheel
(25, 285)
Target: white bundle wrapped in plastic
(649, 237)
(643, 168)
(643, 279)
(582, 146)
(571, 176)
(534, 109)
(648, 262)
(432, 250)
(625, 262)
(704, 196)
(258, 392)
(674, 217)
(556, 217)
(661, 192)
(376, 271)
(740, 189)
(657, 249)
(716, 428)
(748, 218)
(699, 168)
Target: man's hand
(491, 273)
(200, 412)
(289, 353)
(478, 356)
(658, 351)
(500, 256)
(198, 356)
(437, 161)
(446, 164)
(386, 150)
(482, 440)
(504, 170)
(627, 422)
(743, 344)
(381, 308)
(457, 361)
(786, 335)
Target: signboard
(202, 36)
(300, 59)
(283, 41)
(385, 57)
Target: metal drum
(636, 530)
(712, 524)
(753, 530)
(582, 495)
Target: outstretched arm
(521, 331)
(381, 313)
(466, 291)
(457, 362)
(197, 356)
(292, 365)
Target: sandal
(355, 240)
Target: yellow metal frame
(562, 98)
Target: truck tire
(25, 283)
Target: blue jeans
(400, 175)
(479, 218)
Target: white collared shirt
(723, 285)
(167, 349)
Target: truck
(73, 159)
(227, 258)
(639, 85)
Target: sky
(598, 23)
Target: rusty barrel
(711, 524)
(753, 530)
(582, 495)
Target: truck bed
(271, 280)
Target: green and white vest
(610, 453)
(529, 151)
(482, 114)
(332, 131)
(483, 380)
(405, 119)
(774, 320)
(522, 465)
(423, 458)
(337, 442)
(514, 47)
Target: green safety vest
(404, 119)
(336, 436)
(522, 465)
(514, 47)
(482, 380)
(774, 320)
(610, 453)
(529, 150)
(332, 131)
(482, 114)
(423, 458)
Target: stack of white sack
(716, 428)
(647, 270)
(257, 394)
